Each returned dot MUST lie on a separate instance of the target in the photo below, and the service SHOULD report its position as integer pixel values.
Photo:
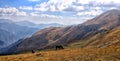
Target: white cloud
(36, 14)
(21, 13)
(89, 13)
(60, 5)
(50, 16)
(101, 2)
(74, 5)
(52, 8)
(11, 11)
(41, 7)
(54, 5)
(26, 8)
(74, 8)
(113, 8)
(33, 0)
(97, 8)
(83, 1)
(107, 1)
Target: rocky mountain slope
(50, 37)
(100, 40)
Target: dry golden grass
(69, 54)
(108, 38)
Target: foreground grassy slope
(111, 53)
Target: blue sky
(66, 12)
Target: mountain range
(40, 26)
(100, 31)
(11, 32)
(52, 36)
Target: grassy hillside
(104, 39)
(69, 54)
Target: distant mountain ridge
(25, 23)
(40, 26)
(10, 31)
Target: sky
(67, 12)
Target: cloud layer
(59, 10)
(33, 0)
(11, 11)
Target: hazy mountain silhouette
(25, 23)
(11, 32)
(40, 26)
(1, 42)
